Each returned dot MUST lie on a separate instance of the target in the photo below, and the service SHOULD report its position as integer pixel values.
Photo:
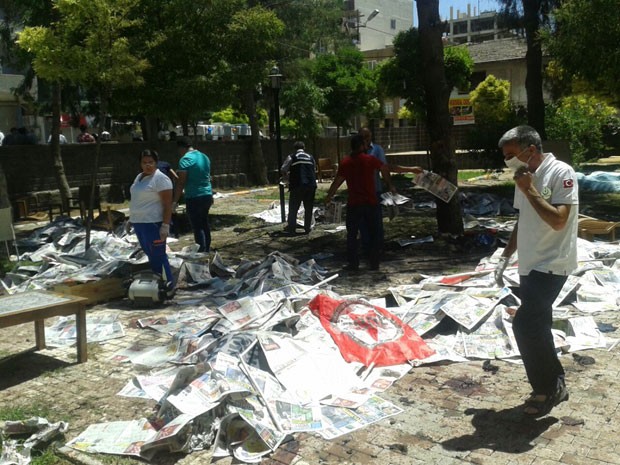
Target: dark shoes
(539, 405)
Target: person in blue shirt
(194, 177)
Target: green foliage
(406, 114)
(300, 99)
(581, 120)
(289, 128)
(459, 66)
(585, 42)
(312, 26)
(229, 115)
(491, 101)
(494, 114)
(402, 75)
(251, 41)
(188, 75)
(346, 82)
(98, 56)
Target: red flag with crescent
(368, 334)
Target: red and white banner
(368, 334)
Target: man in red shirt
(358, 170)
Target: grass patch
(464, 175)
(48, 457)
(23, 413)
(116, 459)
(44, 457)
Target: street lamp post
(276, 84)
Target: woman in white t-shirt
(150, 213)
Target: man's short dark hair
(299, 145)
(357, 142)
(184, 142)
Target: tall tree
(18, 15)
(585, 43)
(251, 41)
(438, 121)
(300, 100)
(186, 79)
(403, 74)
(347, 83)
(88, 45)
(313, 27)
(532, 15)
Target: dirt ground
(237, 235)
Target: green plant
(19, 413)
(581, 120)
(494, 113)
(464, 175)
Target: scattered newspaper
(99, 328)
(342, 421)
(435, 184)
(248, 411)
(117, 437)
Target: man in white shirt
(546, 239)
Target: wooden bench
(36, 306)
(325, 169)
(590, 227)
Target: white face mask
(514, 163)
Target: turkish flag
(368, 334)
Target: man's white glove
(499, 271)
(127, 227)
(164, 230)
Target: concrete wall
(29, 168)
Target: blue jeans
(532, 330)
(198, 212)
(147, 234)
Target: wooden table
(36, 306)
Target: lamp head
(372, 15)
(276, 78)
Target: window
(392, 24)
(388, 108)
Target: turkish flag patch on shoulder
(568, 183)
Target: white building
(376, 31)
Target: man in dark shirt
(301, 170)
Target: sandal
(538, 405)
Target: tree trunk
(338, 143)
(59, 167)
(533, 59)
(93, 177)
(437, 95)
(4, 189)
(257, 161)
(150, 128)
